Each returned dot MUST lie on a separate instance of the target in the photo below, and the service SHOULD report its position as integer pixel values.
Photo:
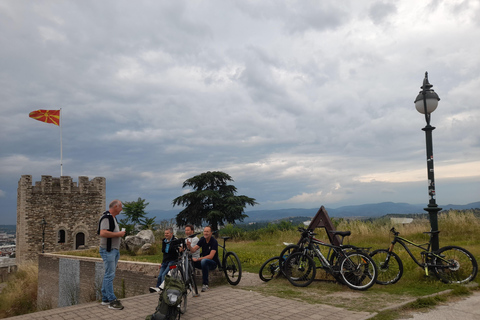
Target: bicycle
(230, 264)
(274, 266)
(450, 264)
(184, 266)
(350, 265)
(291, 248)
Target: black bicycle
(230, 264)
(184, 266)
(350, 265)
(451, 264)
(274, 266)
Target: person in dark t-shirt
(209, 256)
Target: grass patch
(428, 302)
(20, 294)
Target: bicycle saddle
(341, 233)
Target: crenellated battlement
(70, 209)
(64, 184)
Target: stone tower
(71, 213)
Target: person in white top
(192, 241)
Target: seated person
(192, 241)
(209, 256)
(170, 256)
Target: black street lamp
(44, 224)
(426, 102)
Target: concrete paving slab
(465, 309)
(222, 302)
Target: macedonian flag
(48, 116)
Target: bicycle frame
(224, 252)
(184, 261)
(426, 254)
(314, 245)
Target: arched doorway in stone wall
(79, 240)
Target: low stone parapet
(65, 280)
(68, 280)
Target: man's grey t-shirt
(115, 241)
(193, 242)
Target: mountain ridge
(371, 210)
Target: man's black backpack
(111, 227)
(168, 307)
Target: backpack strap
(111, 227)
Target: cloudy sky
(303, 103)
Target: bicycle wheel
(191, 280)
(334, 258)
(269, 269)
(389, 266)
(456, 265)
(232, 268)
(183, 304)
(300, 269)
(358, 271)
(288, 250)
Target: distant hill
(359, 211)
(372, 210)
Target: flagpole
(61, 150)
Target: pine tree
(213, 201)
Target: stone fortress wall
(71, 212)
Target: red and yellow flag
(48, 116)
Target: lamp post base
(433, 216)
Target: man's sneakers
(115, 304)
(154, 289)
(105, 303)
(204, 287)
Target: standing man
(110, 236)
(191, 241)
(209, 257)
(170, 255)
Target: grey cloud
(381, 11)
(302, 103)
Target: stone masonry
(71, 212)
(69, 280)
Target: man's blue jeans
(163, 272)
(110, 260)
(206, 265)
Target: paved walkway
(228, 303)
(465, 309)
(234, 303)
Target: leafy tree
(148, 223)
(135, 216)
(212, 201)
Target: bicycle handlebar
(395, 232)
(180, 241)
